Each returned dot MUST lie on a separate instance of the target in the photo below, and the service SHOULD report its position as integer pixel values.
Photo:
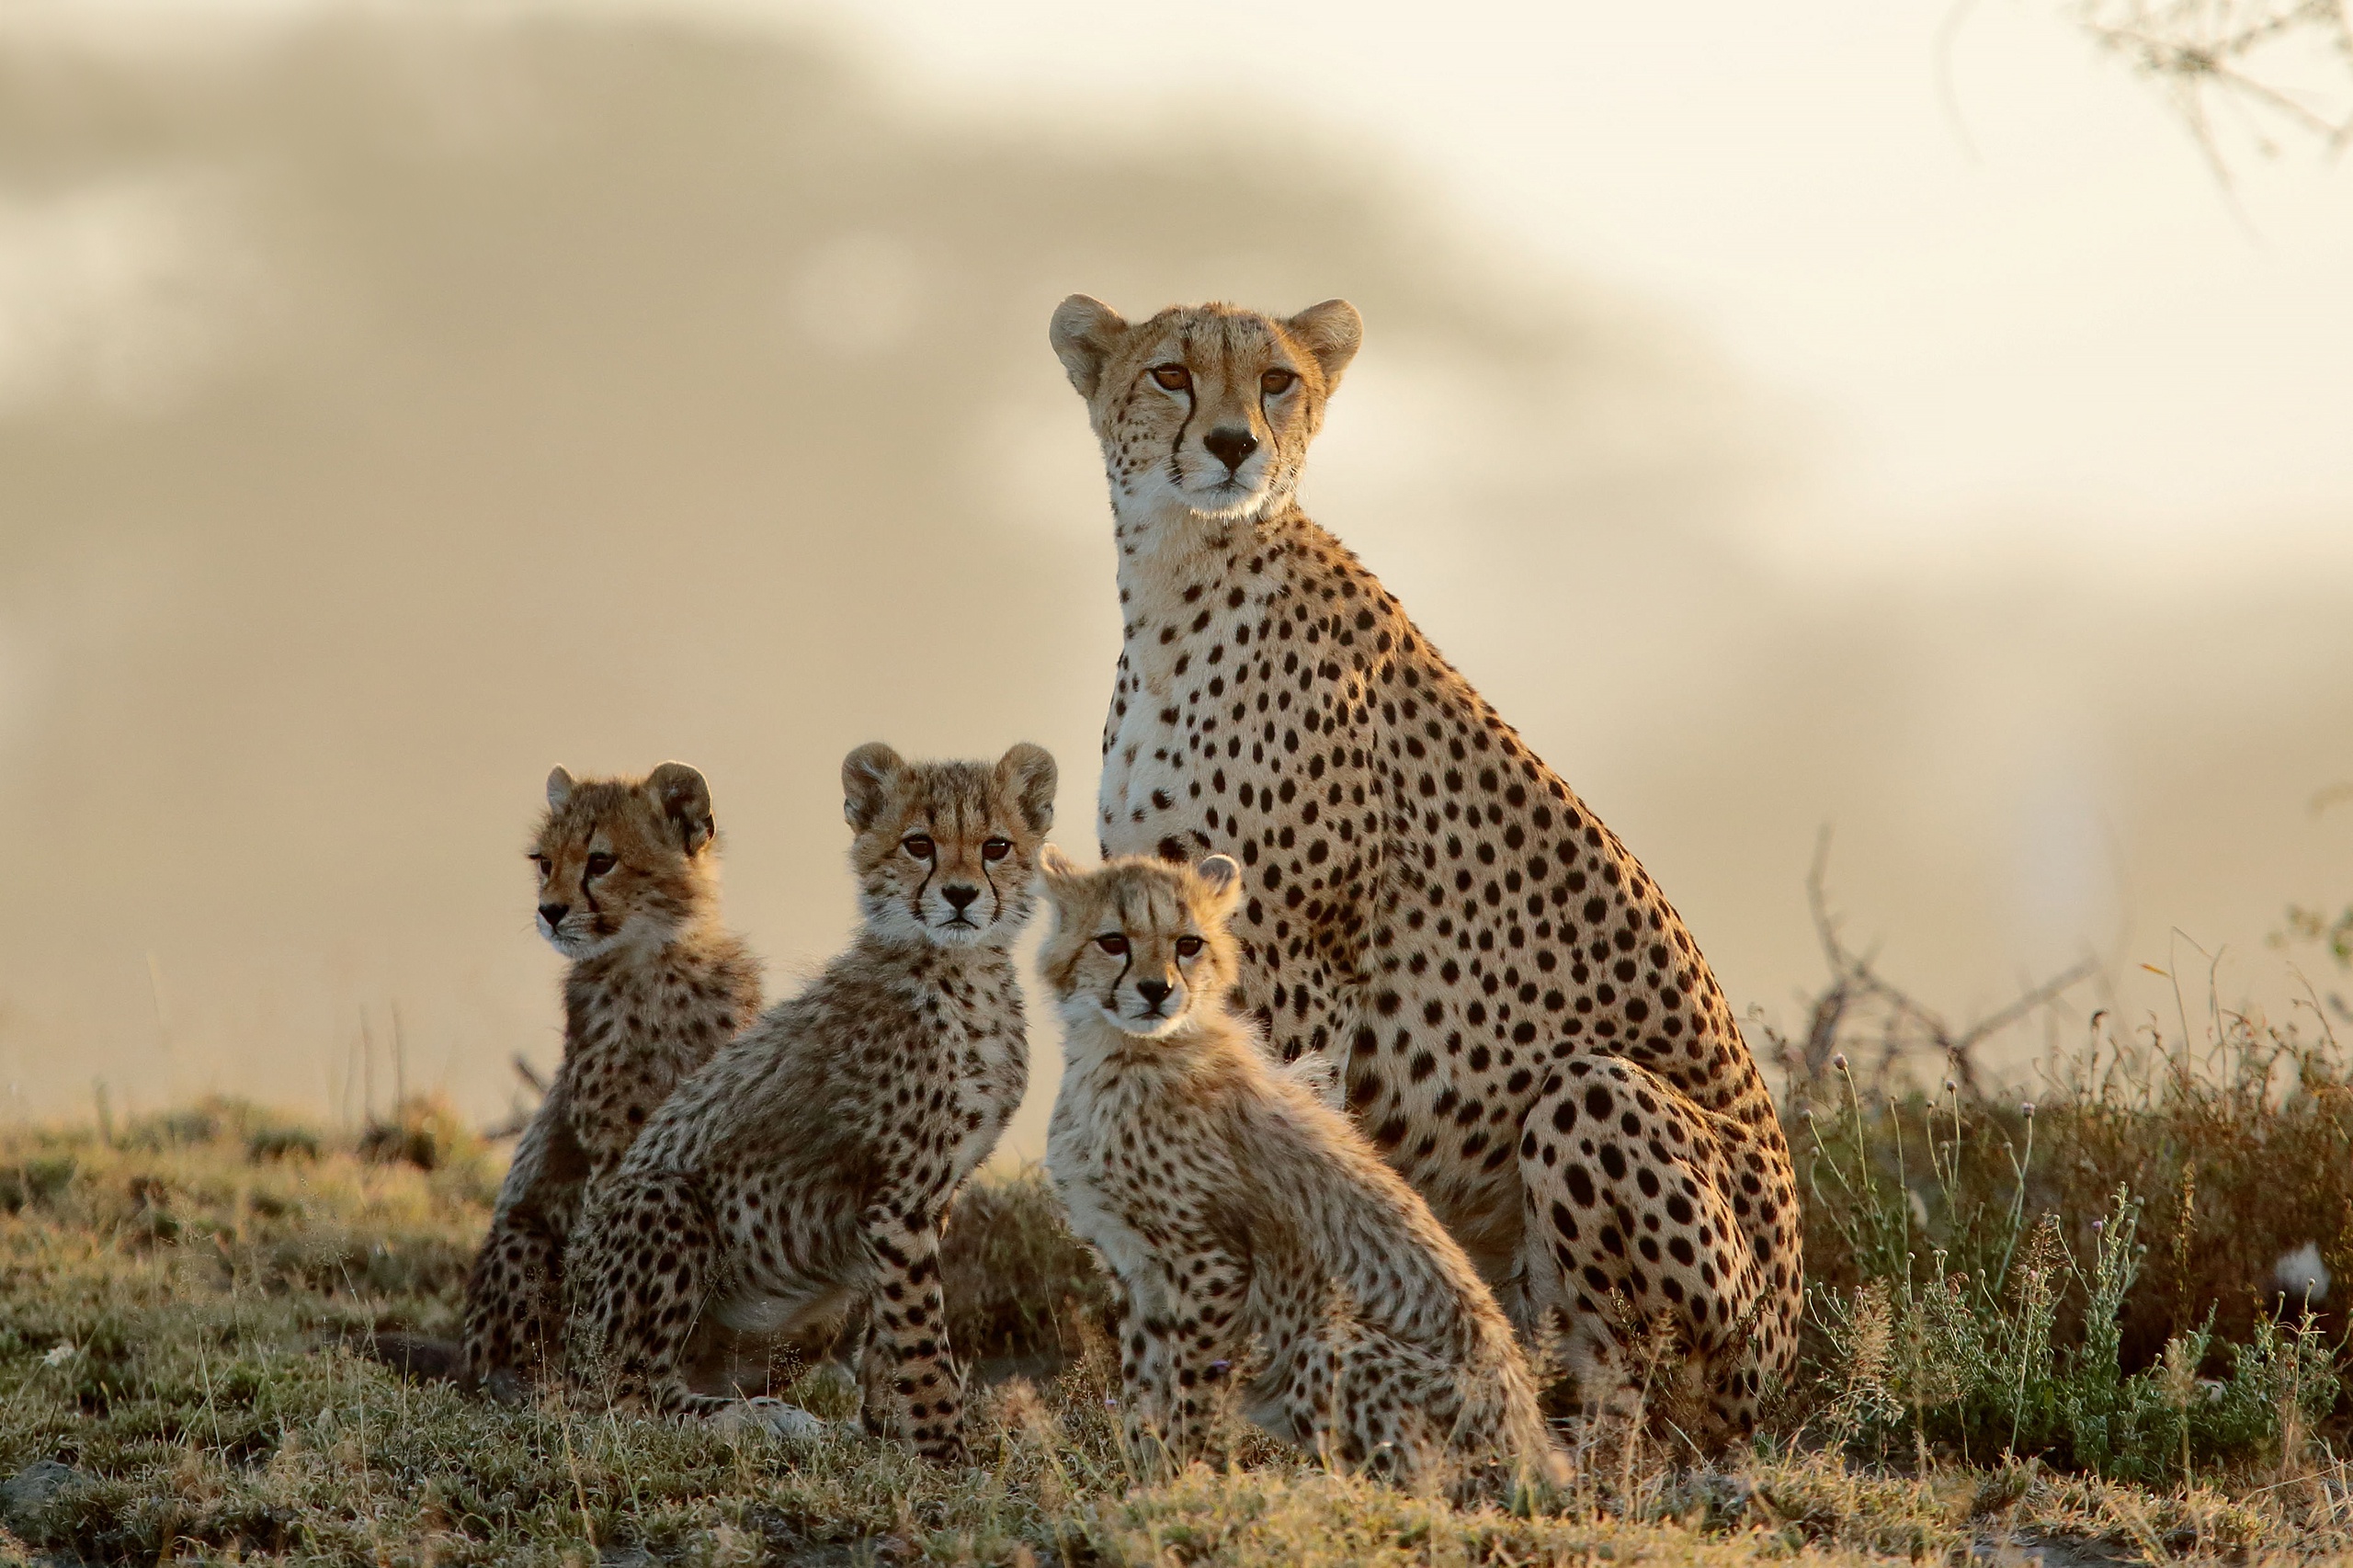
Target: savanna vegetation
(2096, 1321)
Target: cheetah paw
(773, 1417)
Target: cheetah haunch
(1253, 1231)
(809, 1168)
(1519, 1017)
(628, 891)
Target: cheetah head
(947, 852)
(1140, 942)
(1206, 409)
(624, 860)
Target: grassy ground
(184, 1300)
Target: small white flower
(60, 1352)
(2028, 1110)
(1839, 1062)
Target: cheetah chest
(1169, 723)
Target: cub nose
(1153, 991)
(959, 899)
(1230, 445)
(554, 914)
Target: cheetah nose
(959, 899)
(1230, 445)
(1155, 992)
(554, 914)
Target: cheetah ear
(559, 789)
(1225, 878)
(1027, 776)
(1332, 332)
(867, 776)
(1084, 332)
(685, 800)
(1059, 869)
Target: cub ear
(559, 789)
(1027, 776)
(1060, 869)
(685, 800)
(867, 776)
(1332, 332)
(1084, 332)
(1223, 876)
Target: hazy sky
(1981, 262)
(1783, 423)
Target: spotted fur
(809, 1168)
(1520, 1018)
(1247, 1224)
(628, 891)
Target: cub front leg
(906, 1361)
(1181, 1352)
(514, 1322)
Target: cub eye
(919, 847)
(599, 864)
(1175, 378)
(543, 863)
(1187, 947)
(1113, 944)
(1276, 382)
(996, 849)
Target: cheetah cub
(809, 1168)
(629, 892)
(1249, 1224)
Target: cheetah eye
(918, 846)
(1187, 947)
(1276, 382)
(598, 864)
(543, 863)
(1113, 944)
(1175, 378)
(996, 849)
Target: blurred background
(1875, 415)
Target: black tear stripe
(1127, 958)
(589, 899)
(931, 862)
(1192, 406)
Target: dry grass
(181, 1301)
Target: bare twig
(1907, 1027)
(2274, 64)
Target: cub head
(1140, 942)
(1210, 407)
(947, 852)
(625, 859)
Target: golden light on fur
(1267, 1261)
(1210, 407)
(624, 859)
(1139, 942)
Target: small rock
(32, 1489)
(2301, 1277)
(772, 1416)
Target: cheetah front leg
(514, 1321)
(643, 1270)
(906, 1360)
(1178, 1354)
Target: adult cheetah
(809, 1168)
(629, 892)
(1528, 1032)
(1255, 1235)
